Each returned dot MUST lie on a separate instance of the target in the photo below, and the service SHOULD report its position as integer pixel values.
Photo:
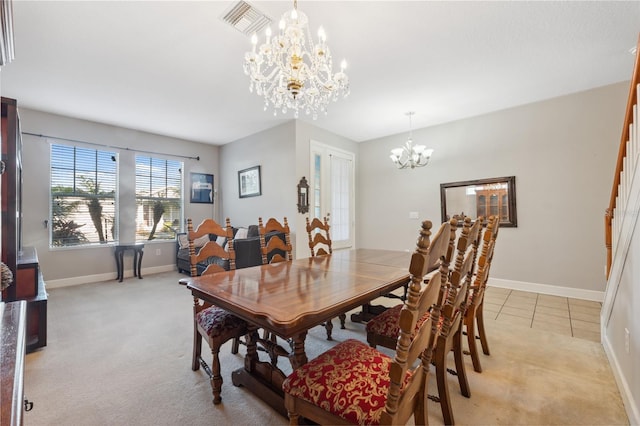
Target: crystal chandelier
(411, 155)
(291, 72)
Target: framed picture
(249, 182)
(201, 188)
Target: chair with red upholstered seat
(215, 324)
(383, 329)
(353, 383)
(474, 312)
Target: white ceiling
(174, 68)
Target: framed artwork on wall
(249, 182)
(201, 188)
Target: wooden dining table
(289, 298)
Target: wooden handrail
(622, 153)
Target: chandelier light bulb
(292, 71)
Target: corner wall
(562, 152)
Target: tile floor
(561, 315)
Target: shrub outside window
(158, 198)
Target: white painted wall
(562, 152)
(72, 266)
(274, 151)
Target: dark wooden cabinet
(12, 350)
(27, 284)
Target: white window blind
(83, 196)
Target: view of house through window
(158, 198)
(83, 198)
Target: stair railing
(625, 166)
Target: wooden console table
(138, 251)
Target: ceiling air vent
(246, 18)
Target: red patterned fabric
(218, 322)
(388, 323)
(350, 380)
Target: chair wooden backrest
(319, 236)
(405, 398)
(466, 247)
(484, 261)
(210, 248)
(274, 250)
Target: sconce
(303, 196)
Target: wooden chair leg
(329, 327)
(458, 356)
(216, 377)
(235, 346)
(197, 349)
(343, 320)
(470, 323)
(421, 413)
(293, 418)
(443, 386)
(483, 336)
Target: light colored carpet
(120, 354)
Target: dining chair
(319, 236)
(274, 250)
(474, 312)
(353, 383)
(383, 330)
(216, 325)
(272, 247)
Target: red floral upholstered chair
(216, 325)
(474, 312)
(353, 383)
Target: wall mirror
(481, 197)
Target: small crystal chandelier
(410, 155)
(291, 72)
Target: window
(83, 196)
(158, 198)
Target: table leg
(135, 262)
(298, 357)
(119, 267)
(262, 378)
(140, 263)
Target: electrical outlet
(158, 252)
(626, 340)
(413, 215)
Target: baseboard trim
(111, 276)
(623, 386)
(574, 293)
